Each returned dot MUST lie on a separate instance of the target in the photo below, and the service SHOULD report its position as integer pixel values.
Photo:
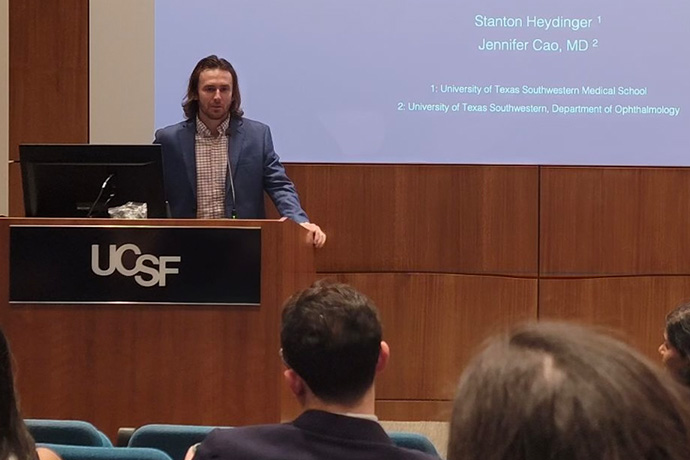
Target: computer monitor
(85, 180)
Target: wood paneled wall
(614, 221)
(430, 219)
(49, 77)
(449, 253)
(434, 322)
(614, 246)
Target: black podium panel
(167, 265)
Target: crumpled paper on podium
(129, 210)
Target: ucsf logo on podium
(148, 269)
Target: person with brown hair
(15, 441)
(332, 348)
(560, 391)
(675, 350)
(217, 163)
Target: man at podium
(217, 163)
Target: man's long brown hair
(190, 103)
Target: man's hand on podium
(315, 233)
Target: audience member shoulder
(411, 454)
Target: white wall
(121, 76)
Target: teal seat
(70, 432)
(413, 441)
(174, 440)
(68, 452)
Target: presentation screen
(445, 81)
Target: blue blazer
(254, 164)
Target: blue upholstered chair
(414, 441)
(71, 432)
(105, 453)
(174, 440)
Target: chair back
(68, 452)
(70, 432)
(174, 440)
(413, 441)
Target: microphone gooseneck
(100, 194)
(233, 213)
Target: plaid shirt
(211, 151)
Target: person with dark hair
(559, 391)
(217, 163)
(332, 348)
(675, 349)
(15, 441)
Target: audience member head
(561, 391)
(190, 104)
(15, 440)
(331, 341)
(675, 350)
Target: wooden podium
(128, 364)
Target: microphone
(100, 194)
(233, 213)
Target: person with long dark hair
(547, 391)
(675, 350)
(15, 441)
(218, 163)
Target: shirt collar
(203, 130)
(371, 417)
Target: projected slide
(445, 81)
